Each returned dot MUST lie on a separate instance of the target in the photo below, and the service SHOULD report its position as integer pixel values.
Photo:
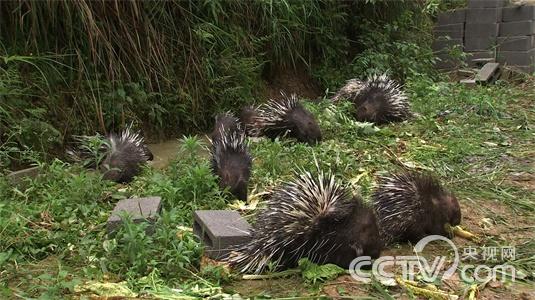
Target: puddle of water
(165, 152)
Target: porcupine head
(304, 126)
(371, 105)
(234, 172)
(356, 230)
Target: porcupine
(231, 161)
(286, 117)
(378, 99)
(119, 156)
(312, 216)
(412, 205)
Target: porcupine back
(313, 217)
(411, 205)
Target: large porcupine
(378, 99)
(412, 205)
(231, 161)
(119, 156)
(313, 217)
(287, 117)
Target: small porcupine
(231, 161)
(412, 205)
(379, 99)
(287, 117)
(119, 156)
(313, 217)
(248, 114)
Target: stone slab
(516, 58)
(483, 15)
(480, 58)
(488, 73)
(451, 17)
(516, 43)
(480, 44)
(481, 30)
(220, 231)
(18, 178)
(139, 209)
(485, 3)
(517, 28)
(454, 31)
(518, 13)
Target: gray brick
(518, 13)
(479, 44)
(517, 58)
(483, 15)
(445, 45)
(516, 43)
(220, 231)
(485, 3)
(139, 209)
(454, 31)
(451, 17)
(480, 58)
(477, 30)
(517, 28)
(19, 178)
(488, 73)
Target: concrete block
(139, 209)
(488, 73)
(516, 58)
(480, 30)
(516, 43)
(451, 17)
(518, 13)
(485, 3)
(18, 178)
(220, 231)
(445, 45)
(517, 28)
(483, 15)
(454, 31)
(479, 44)
(480, 58)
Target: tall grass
(170, 65)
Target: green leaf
(312, 272)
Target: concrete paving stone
(518, 13)
(488, 73)
(454, 31)
(483, 15)
(18, 178)
(479, 44)
(485, 3)
(452, 17)
(480, 30)
(480, 58)
(517, 28)
(139, 209)
(220, 231)
(516, 43)
(516, 58)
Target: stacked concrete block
(516, 41)
(449, 34)
(482, 28)
(488, 32)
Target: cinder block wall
(488, 31)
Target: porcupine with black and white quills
(412, 205)
(231, 161)
(121, 155)
(378, 99)
(286, 117)
(312, 216)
